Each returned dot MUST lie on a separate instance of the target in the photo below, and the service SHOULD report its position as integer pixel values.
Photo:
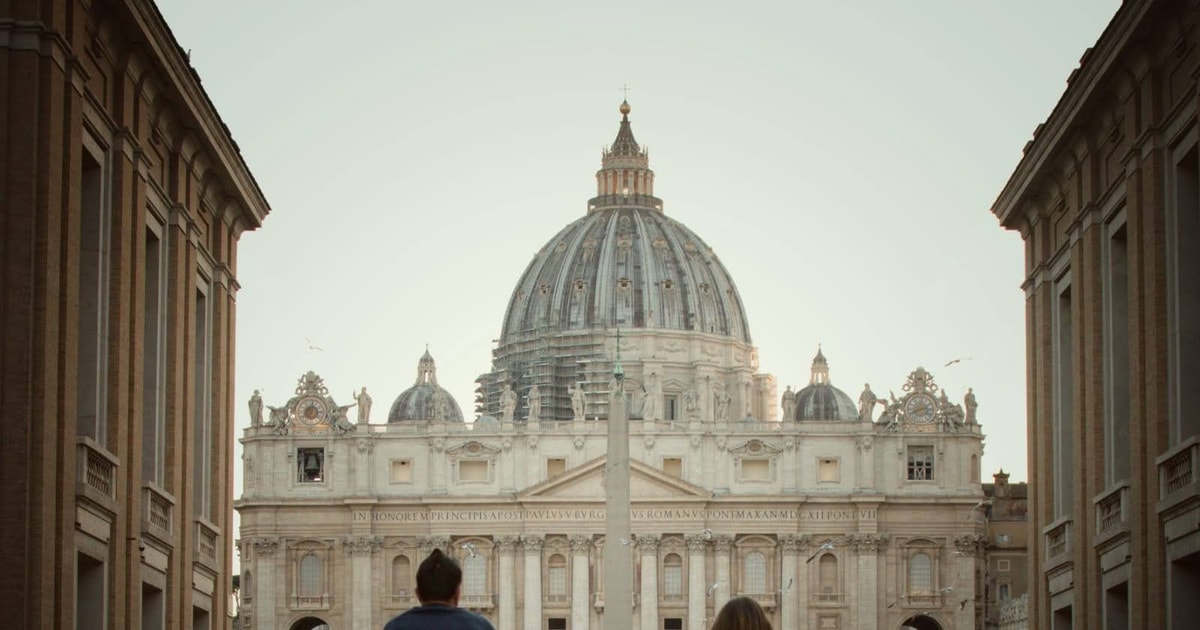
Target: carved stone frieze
(971, 544)
(362, 545)
(533, 543)
(722, 543)
(507, 544)
(648, 543)
(789, 543)
(697, 542)
(265, 546)
(581, 543)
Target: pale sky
(840, 158)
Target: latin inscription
(593, 514)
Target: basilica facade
(831, 513)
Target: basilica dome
(625, 264)
(425, 401)
(820, 400)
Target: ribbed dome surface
(822, 401)
(628, 267)
(420, 402)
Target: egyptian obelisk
(618, 547)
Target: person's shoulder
(475, 621)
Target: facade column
(969, 548)
(648, 546)
(697, 600)
(803, 571)
(866, 463)
(437, 464)
(506, 546)
(264, 582)
(722, 545)
(362, 468)
(790, 455)
(361, 549)
(788, 604)
(867, 547)
(581, 546)
(533, 580)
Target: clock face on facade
(919, 408)
(310, 411)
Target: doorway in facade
(310, 623)
(920, 622)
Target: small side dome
(425, 401)
(821, 400)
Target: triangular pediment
(586, 482)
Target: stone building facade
(834, 515)
(1006, 555)
(1107, 200)
(123, 200)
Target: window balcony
(477, 602)
(766, 600)
(315, 602)
(828, 598)
(158, 513)
(923, 600)
(1112, 512)
(405, 600)
(205, 551)
(95, 473)
(1179, 475)
(1057, 540)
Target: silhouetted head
(741, 613)
(438, 579)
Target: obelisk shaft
(618, 546)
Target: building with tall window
(833, 514)
(122, 203)
(1107, 200)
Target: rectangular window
(1003, 539)
(153, 612)
(558, 580)
(827, 469)
(90, 592)
(920, 463)
(556, 623)
(673, 623)
(202, 418)
(756, 469)
(1064, 392)
(402, 471)
(310, 463)
(671, 407)
(555, 466)
(153, 346)
(472, 470)
(91, 357)
(673, 466)
(1002, 592)
(1184, 288)
(673, 580)
(1116, 355)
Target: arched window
(474, 575)
(673, 575)
(312, 582)
(920, 574)
(401, 576)
(755, 569)
(558, 575)
(827, 577)
(974, 472)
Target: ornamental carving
(362, 545)
(697, 542)
(507, 544)
(265, 546)
(437, 444)
(364, 445)
(722, 543)
(969, 544)
(924, 407)
(648, 543)
(532, 442)
(648, 441)
(311, 410)
(865, 443)
(533, 543)
(429, 543)
(790, 543)
(867, 543)
(582, 544)
(696, 441)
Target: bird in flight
(785, 589)
(958, 360)
(470, 548)
(707, 533)
(948, 589)
(627, 542)
(825, 546)
(712, 589)
(311, 346)
(963, 604)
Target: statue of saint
(508, 403)
(971, 405)
(789, 404)
(652, 407)
(722, 400)
(691, 401)
(866, 403)
(279, 419)
(578, 403)
(535, 403)
(364, 405)
(256, 407)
